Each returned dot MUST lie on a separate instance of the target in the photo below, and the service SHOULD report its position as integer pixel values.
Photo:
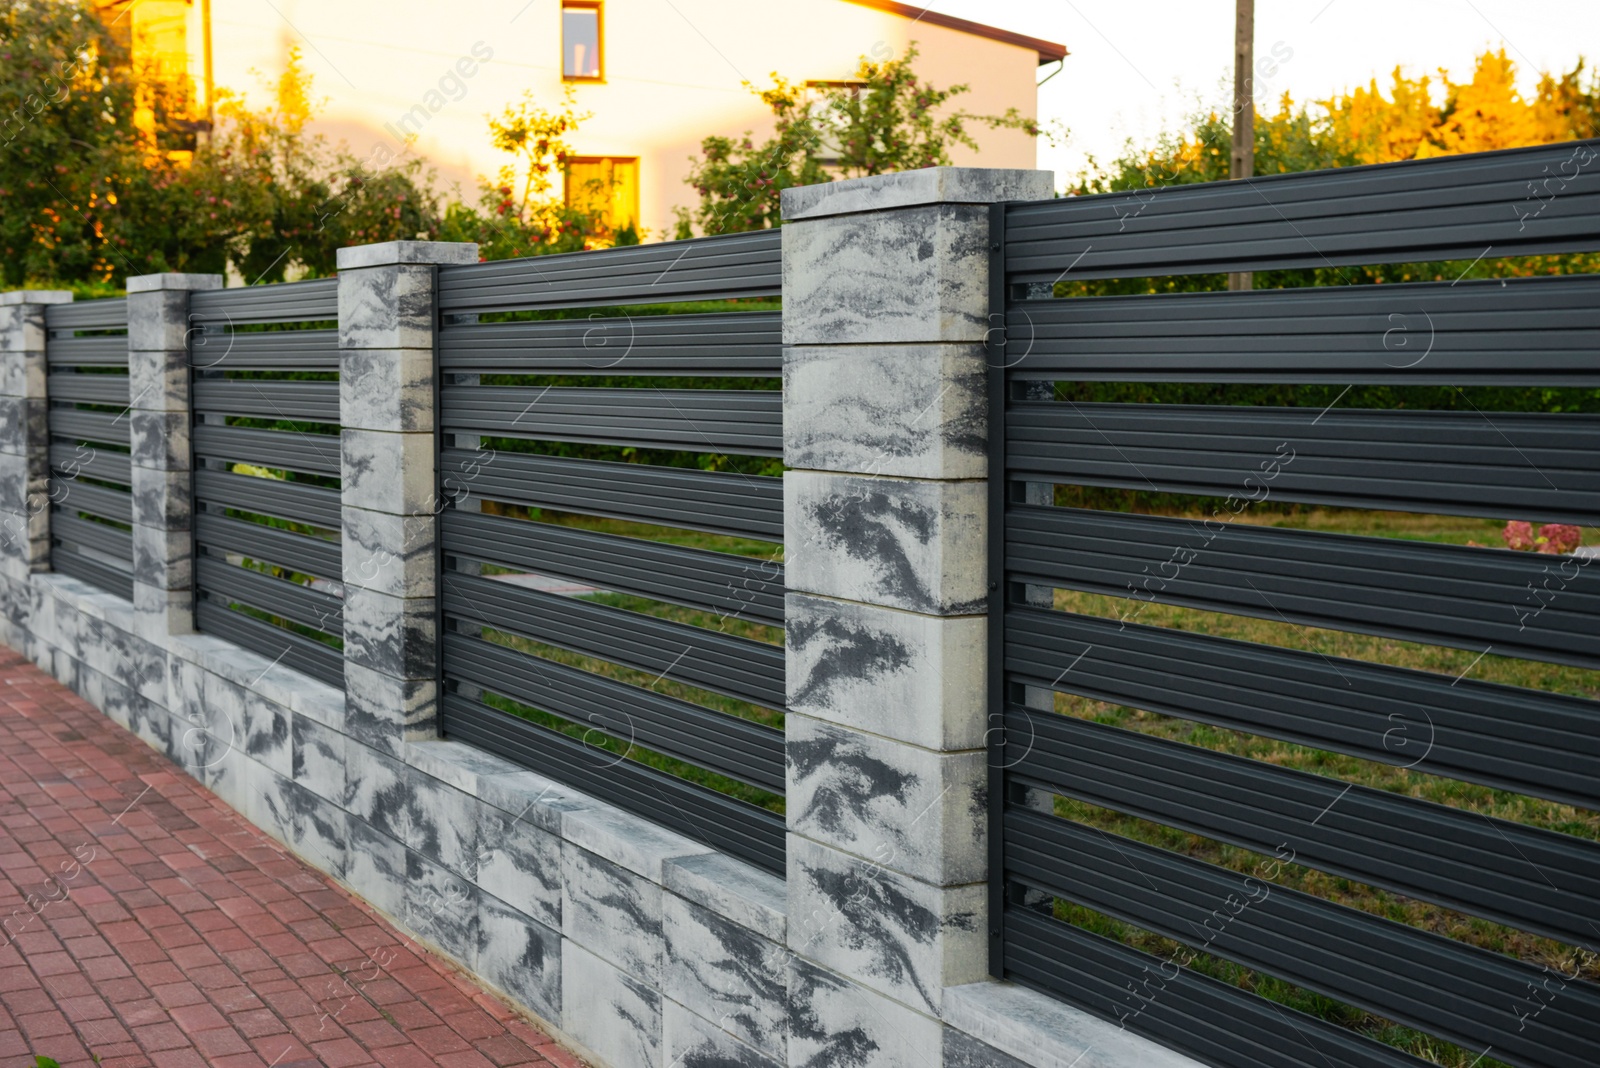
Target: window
(608, 186)
(580, 40)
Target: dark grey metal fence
(572, 577)
(267, 521)
(1537, 466)
(91, 506)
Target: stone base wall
(636, 946)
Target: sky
(1138, 67)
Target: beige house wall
(674, 73)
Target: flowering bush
(1551, 538)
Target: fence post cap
(35, 296)
(151, 283)
(390, 253)
(907, 189)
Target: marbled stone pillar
(24, 433)
(886, 305)
(159, 417)
(387, 317)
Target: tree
(890, 121)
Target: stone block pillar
(24, 432)
(159, 415)
(387, 317)
(886, 305)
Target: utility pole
(1243, 162)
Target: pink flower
(1518, 535)
(1560, 537)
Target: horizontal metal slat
(1533, 465)
(77, 425)
(75, 461)
(314, 300)
(314, 454)
(736, 667)
(740, 829)
(1521, 332)
(93, 351)
(744, 343)
(108, 389)
(717, 502)
(74, 496)
(290, 600)
(1518, 202)
(735, 586)
(314, 402)
(1433, 983)
(213, 347)
(1526, 741)
(94, 572)
(707, 268)
(1212, 1021)
(295, 501)
(277, 644)
(737, 748)
(744, 422)
(71, 529)
(299, 552)
(109, 313)
(1440, 594)
(1538, 881)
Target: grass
(1535, 812)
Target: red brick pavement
(146, 922)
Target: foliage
(890, 121)
(521, 214)
(1551, 538)
(92, 195)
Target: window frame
(566, 179)
(598, 7)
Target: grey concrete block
(736, 891)
(390, 635)
(24, 433)
(388, 307)
(158, 320)
(386, 389)
(163, 557)
(386, 712)
(1042, 1032)
(911, 810)
(389, 553)
(728, 974)
(519, 955)
(161, 611)
(162, 498)
(319, 758)
(173, 280)
(961, 1050)
(375, 789)
(376, 867)
(612, 913)
(442, 824)
(918, 411)
(519, 863)
(387, 472)
(918, 546)
(917, 678)
(158, 380)
(318, 830)
(894, 934)
(915, 275)
(626, 840)
(466, 767)
(442, 908)
(927, 185)
(530, 796)
(159, 440)
(690, 1041)
(22, 369)
(612, 1014)
(265, 737)
(387, 253)
(833, 1023)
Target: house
(657, 76)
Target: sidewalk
(149, 924)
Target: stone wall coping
(83, 597)
(909, 189)
(35, 296)
(310, 697)
(151, 283)
(1048, 1033)
(391, 253)
(734, 890)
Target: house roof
(1048, 51)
